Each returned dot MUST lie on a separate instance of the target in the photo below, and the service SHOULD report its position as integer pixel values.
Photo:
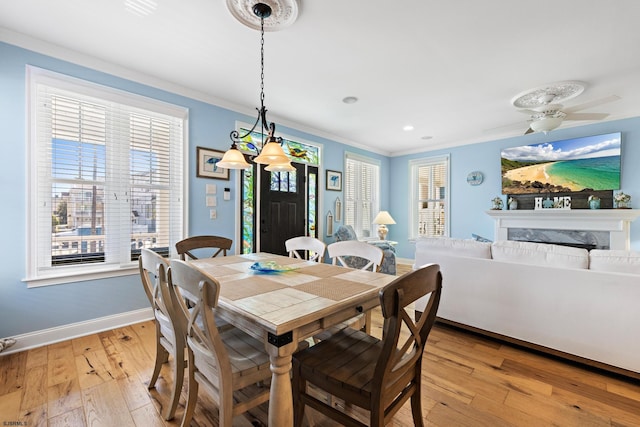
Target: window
(430, 198)
(361, 186)
(106, 179)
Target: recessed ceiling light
(407, 128)
(350, 100)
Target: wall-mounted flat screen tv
(572, 165)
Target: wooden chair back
(372, 254)
(219, 362)
(220, 245)
(404, 337)
(314, 248)
(169, 341)
(379, 375)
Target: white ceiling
(449, 68)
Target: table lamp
(382, 219)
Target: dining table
(283, 301)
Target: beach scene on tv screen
(579, 164)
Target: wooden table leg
(280, 396)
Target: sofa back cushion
(542, 254)
(614, 261)
(445, 245)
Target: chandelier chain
(262, 62)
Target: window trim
(414, 165)
(67, 274)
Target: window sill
(36, 282)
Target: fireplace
(598, 228)
(592, 239)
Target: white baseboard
(74, 330)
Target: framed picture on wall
(334, 180)
(207, 160)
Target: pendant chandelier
(270, 152)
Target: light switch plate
(213, 214)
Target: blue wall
(469, 203)
(25, 310)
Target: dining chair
(218, 244)
(153, 269)
(315, 248)
(221, 362)
(338, 251)
(378, 375)
(370, 259)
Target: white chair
(153, 269)
(220, 361)
(372, 254)
(371, 259)
(314, 247)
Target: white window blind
(430, 200)
(361, 184)
(107, 178)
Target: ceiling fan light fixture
(546, 124)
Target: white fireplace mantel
(616, 221)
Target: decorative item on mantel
(561, 202)
(622, 200)
(594, 202)
(513, 204)
(496, 203)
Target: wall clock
(475, 178)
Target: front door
(283, 203)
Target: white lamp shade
(233, 159)
(272, 152)
(546, 124)
(383, 217)
(280, 167)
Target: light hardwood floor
(468, 380)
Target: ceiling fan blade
(507, 127)
(586, 116)
(590, 104)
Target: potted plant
(622, 200)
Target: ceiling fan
(546, 112)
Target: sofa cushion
(345, 232)
(460, 247)
(543, 254)
(614, 261)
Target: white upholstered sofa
(570, 302)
